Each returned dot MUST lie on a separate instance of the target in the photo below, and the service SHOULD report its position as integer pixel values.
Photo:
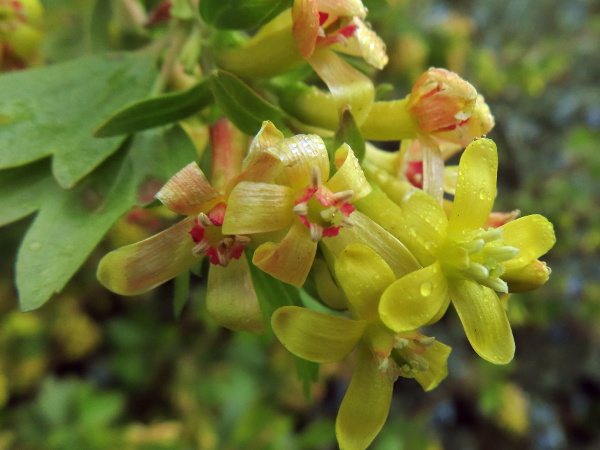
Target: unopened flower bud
(441, 100)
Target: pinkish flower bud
(441, 101)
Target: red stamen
(323, 18)
(414, 173)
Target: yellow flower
(383, 355)
(463, 262)
(304, 202)
(140, 267)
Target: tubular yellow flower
(383, 355)
(304, 203)
(465, 263)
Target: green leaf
(241, 14)
(348, 132)
(23, 190)
(156, 111)
(54, 110)
(273, 294)
(181, 292)
(71, 222)
(244, 107)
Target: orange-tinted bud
(441, 101)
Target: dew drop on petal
(483, 194)
(426, 289)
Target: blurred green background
(92, 370)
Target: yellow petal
(139, 267)
(291, 259)
(369, 233)
(484, 321)
(349, 8)
(268, 136)
(349, 175)
(298, 155)
(436, 356)
(186, 191)
(347, 85)
(230, 297)
(265, 168)
(418, 222)
(475, 187)
(413, 300)
(527, 278)
(363, 276)
(316, 336)
(329, 292)
(532, 235)
(258, 208)
(365, 406)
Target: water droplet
(35, 246)
(426, 289)
(483, 194)
(413, 231)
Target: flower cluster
(392, 238)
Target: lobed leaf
(53, 111)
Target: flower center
(322, 211)
(478, 257)
(220, 248)
(406, 358)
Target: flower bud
(441, 100)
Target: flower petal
(527, 278)
(258, 208)
(532, 235)
(329, 292)
(475, 187)
(365, 43)
(186, 191)
(343, 7)
(363, 276)
(418, 221)
(347, 85)
(305, 16)
(433, 168)
(268, 136)
(137, 268)
(413, 300)
(484, 321)
(230, 298)
(291, 259)
(298, 155)
(369, 233)
(349, 175)
(436, 356)
(316, 336)
(366, 404)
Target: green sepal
(244, 107)
(348, 132)
(241, 14)
(156, 111)
(181, 292)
